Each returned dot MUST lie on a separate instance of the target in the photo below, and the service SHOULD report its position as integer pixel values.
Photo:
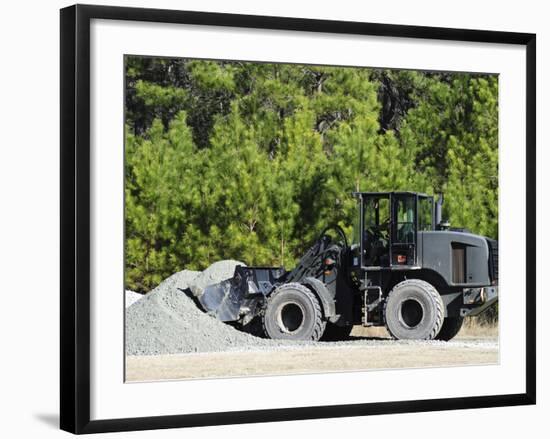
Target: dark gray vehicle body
(463, 267)
(438, 251)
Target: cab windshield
(377, 221)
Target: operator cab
(389, 223)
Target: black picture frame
(75, 217)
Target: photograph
(274, 220)
(284, 219)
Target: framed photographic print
(312, 208)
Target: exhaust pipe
(439, 223)
(438, 210)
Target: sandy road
(359, 354)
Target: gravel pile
(167, 321)
(217, 272)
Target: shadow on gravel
(356, 338)
(189, 293)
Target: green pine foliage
(453, 132)
(251, 161)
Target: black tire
(293, 312)
(451, 327)
(335, 333)
(414, 310)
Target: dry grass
(320, 359)
(475, 344)
(473, 327)
(478, 328)
(373, 331)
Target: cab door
(404, 227)
(376, 217)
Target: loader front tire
(414, 310)
(293, 312)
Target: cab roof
(361, 194)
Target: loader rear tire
(293, 312)
(451, 327)
(414, 310)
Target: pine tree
(161, 193)
(251, 161)
(453, 133)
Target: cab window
(405, 209)
(377, 213)
(425, 213)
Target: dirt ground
(365, 351)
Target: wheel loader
(406, 269)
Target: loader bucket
(222, 300)
(237, 297)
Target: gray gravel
(167, 321)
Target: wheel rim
(411, 313)
(290, 317)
